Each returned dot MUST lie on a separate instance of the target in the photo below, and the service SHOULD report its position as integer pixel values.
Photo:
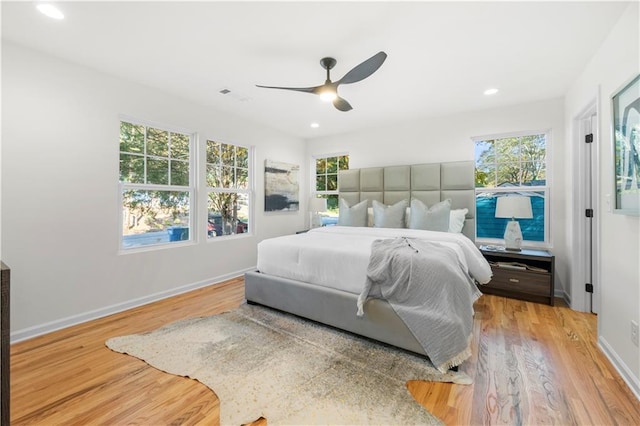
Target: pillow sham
(435, 218)
(389, 216)
(355, 215)
(456, 220)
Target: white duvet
(338, 256)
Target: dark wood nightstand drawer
(522, 281)
(533, 282)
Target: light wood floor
(531, 364)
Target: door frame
(580, 299)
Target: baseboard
(38, 330)
(626, 374)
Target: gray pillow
(389, 216)
(435, 218)
(354, 215)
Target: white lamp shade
(517, 206)
(318, 205)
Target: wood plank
(531, 364)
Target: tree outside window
(511, 165)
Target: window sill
(534, 245)
(229, 237)
(154, 247)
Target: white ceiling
(441, 55)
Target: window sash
(171, 157)
(218, 166)
(327, 175)
(519, 187)
(523, 222)
(155, 239)
(240, 222)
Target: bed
(321, 274)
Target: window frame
(313, 172)
(545, 189)
(250, 191)
(191, 188)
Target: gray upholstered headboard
(429, 183)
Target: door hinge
(588, 138)
(588, 212)
(588, 288)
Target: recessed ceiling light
(315, 125)
(491, 91)
(50, 10)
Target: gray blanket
(430, 290)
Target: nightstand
(526, 274)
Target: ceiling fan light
(328, 95)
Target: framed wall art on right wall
(626, 148)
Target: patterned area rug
(262, 362)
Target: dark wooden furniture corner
(531, 279)
(4, 344)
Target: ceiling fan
(329, 90)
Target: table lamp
(514, 207)
(317, 205)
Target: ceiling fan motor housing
(327, 63)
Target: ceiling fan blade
(364, 70)
(342, 104)
(297, 89)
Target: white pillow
(389, 216)
(435, 218)
(456, 220)
(352, 216)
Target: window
(327, 183)
(512, 165)
(228, 188)
(155, 182)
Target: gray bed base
(332, 307)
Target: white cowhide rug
(262, 362)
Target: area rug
(262, 362)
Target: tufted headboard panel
(429, 183)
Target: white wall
(615, 63)
(449, 139)
(60, 193)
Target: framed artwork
(281, 186)
(626, 148)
